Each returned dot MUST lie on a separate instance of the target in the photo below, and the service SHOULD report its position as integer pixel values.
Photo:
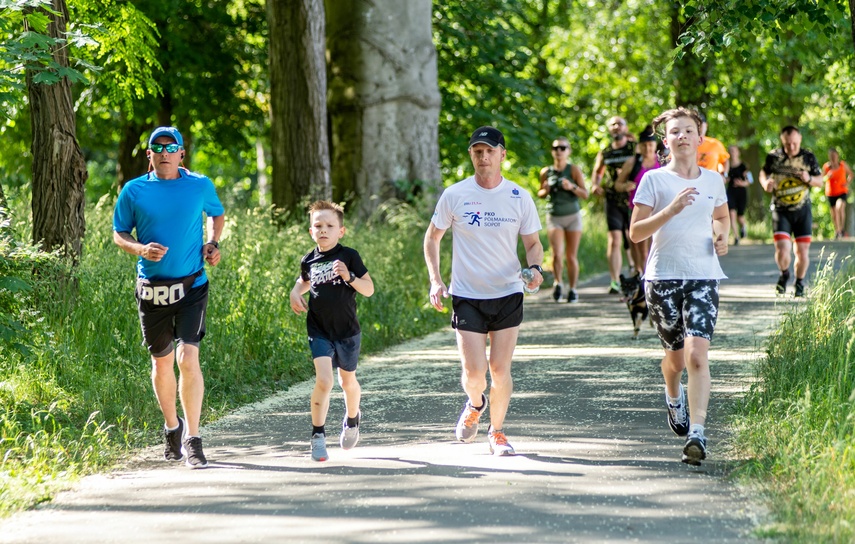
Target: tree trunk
(132, 161)
(384, 100)
(298, 92)
(852, 20)
(59, 168)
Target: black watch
(352, 279)
(213, 243)
(537, 267)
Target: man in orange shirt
(712, 154)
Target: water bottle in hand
(527, 275)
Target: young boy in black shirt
(332, 274)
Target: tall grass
(797, 424)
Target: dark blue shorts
(344, 353)
(681, 308)
(483, 316)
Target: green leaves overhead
(725, 23)
(101, 34)
(491, 73)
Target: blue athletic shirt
(168, 212)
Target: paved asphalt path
(595, 459)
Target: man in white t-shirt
(487, 215)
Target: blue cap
(170, 132)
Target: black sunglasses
(170, 148)
(559, 148)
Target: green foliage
(217, 96)
(25, 45)
(718, 24)
(491, 73)
(797, 424)
(18, 262)
(118, 49)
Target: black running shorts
(182, 322)
(483, 316)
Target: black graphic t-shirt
(332, 302)
(614, 159)
(791, 192)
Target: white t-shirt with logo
(486, 225)
(682, 249)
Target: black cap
(647, 135)
(487, 135)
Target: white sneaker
(467, 424)
(349, 435)
(499, 444)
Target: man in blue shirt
(165, 207)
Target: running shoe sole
(694, 451)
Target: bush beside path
(595, 459)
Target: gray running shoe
(172, 439)
(192, 448)
(467, 425)
(319, 447)
(349, 435)
(695, 449)
(499, 444)
(678, 416)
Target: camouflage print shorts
(681, 308)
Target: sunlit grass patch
(797, 424)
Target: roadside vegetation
(796, 426)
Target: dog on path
(632, 289)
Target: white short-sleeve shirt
(486, 225)
(682, 249)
